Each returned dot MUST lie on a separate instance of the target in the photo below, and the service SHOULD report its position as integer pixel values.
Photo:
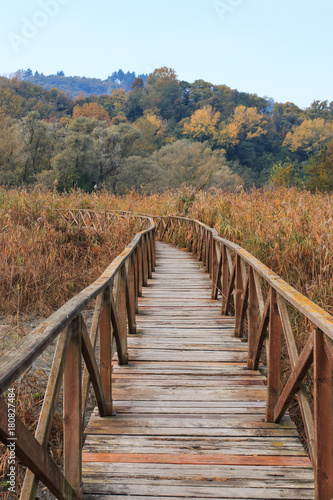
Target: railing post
(274, 357)
(207, 248)
(216, 281)
(73, 409)
(212, 256)
(153, 251)
(323, 420)
(121, 311)
(239, 290)
(225, 273)
(131, 296)
(149, 255)
(144, 260)
(194, 245)
(252, 319)
(139, 265)
(105, 356)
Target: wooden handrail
(237, 275)
(116, 294)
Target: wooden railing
(115, 298)
(263, 301)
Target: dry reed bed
(45, 261)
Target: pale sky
(275, 48)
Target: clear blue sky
(275, 48)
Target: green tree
(319, 171)
(193, 164)
(37, 136)
(284, 174)
(112, 145)
(12, 152)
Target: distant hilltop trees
(75, 85)
(151, 133)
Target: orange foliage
(91, 110)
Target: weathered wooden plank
(207, 482)
(221, 459)
(246, 446)
(201, 472)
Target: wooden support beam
(144, 260)
(105, 343)
(44, 425)
(274, 357)
(73, 408)
(122, 314)
(259, 341)
(302, 392)
(139, 265)
(225, 279)
(239, 289)
(89, 358)
(149, 256)
(216, 282)
(36, 458)
(323, 420)
(230, 290)
(131, 296)
(252, 319)
(300, 370)
(93, 339)
(244, 305)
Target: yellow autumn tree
(163, 74)
(246, 124)
(310, 136)
(91, 110)
(154, 130)
(118, 98)
(203, 124)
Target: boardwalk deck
(190, 417)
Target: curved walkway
(190, 419)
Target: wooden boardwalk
(190, 417)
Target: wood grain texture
(190, 419)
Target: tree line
(160, 133)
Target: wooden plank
(200, 445)
(260, 461)
(266, 473)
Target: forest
(154, 133)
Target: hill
(75, 85)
